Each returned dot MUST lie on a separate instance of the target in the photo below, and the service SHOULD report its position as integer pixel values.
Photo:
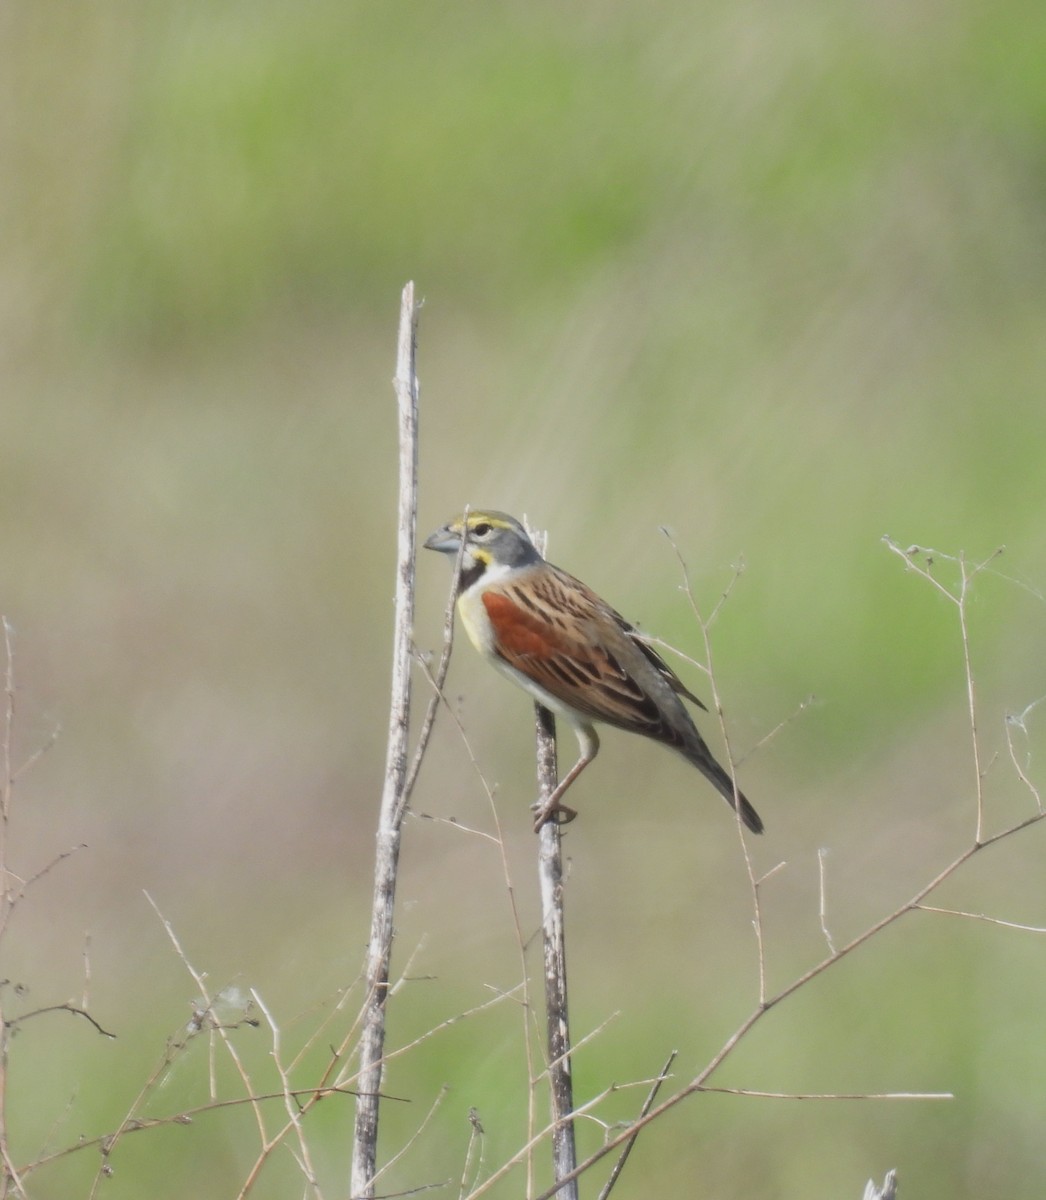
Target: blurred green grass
(771, 278)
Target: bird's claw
(552, 811)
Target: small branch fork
(967, 574)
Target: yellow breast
(474, 617)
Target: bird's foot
(552, 810)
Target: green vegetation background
(772, 276)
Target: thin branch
(553, 929)
(44, 747)
(446, 1023)
(202, 1019)
(781, 725)
(954, 912)
(290, 1102)
(971, 698)
(393, 803)
(626, 1150)
(439, 677)
(1018, 720)
(959, 598)
(17, 894)
(476, 1138)
(185, 1116)
(14, 1022)
(6, 771)
(582, 1110)
(441, 1095)
(757, 1095)
(317, 1032)
(822, 854)
(754, 881)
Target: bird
(554, 637)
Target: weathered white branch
(550, 873)
(393, 804)
(887, 1192)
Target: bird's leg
(552, 809)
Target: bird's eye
(482, 529)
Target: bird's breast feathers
(477, 624)
(473, 611)
(483, 604)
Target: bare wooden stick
(8, 1172)
(390, 819)
(887, 1192)
(550, 872)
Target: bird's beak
(445, 540)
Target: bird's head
(491, 539)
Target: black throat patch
(471, 575)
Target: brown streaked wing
(657, 662)
(536, 631)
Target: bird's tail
(748, 814)
(701, 757)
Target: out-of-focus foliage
(773, 277)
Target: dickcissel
(555, 638)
